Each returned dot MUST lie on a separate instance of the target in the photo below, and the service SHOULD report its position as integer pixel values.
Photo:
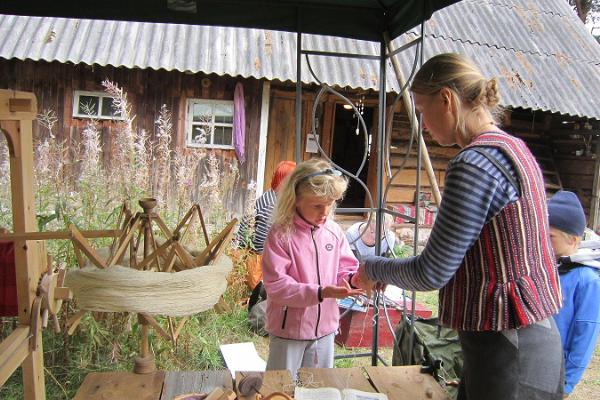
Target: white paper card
(311, 143)
(242, 357)
(328, 393)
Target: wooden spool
(250, 384)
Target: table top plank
(183, 382)
(340, 378)
(121, 385)
(273, 381)
(406, 383)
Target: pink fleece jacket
(294, 268)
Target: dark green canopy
(359, 19)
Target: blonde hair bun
(492, 95)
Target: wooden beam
(82, 244)
(30, 256)
(215, 247)
(59, 235)
(74, 321)
(14, 349)
(154, 323)
(20, 105)
(10, 100)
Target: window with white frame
(210, 123)
(97, 105)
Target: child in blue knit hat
(579, 319)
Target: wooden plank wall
(558, 142)
(281, 139)
(54, 85)
(403, 186)
(563, 139)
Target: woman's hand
(361, 280)
(339, 292)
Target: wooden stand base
(144, 365)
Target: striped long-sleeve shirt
(263, 207)
(475, 191)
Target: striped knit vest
(507, 279)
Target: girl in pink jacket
(307, 265)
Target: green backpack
(432, 344)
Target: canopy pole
(437, 197)
(379, 198)
(298, 95)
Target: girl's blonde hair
(466, 84)
(314, 177)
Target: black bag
(257, 309)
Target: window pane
(88, 105)
(200, 134)
(223, 135)
(107, 108)
(202, 113)
(224, 113)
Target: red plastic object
(355, 331)
(8, 280)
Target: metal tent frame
(361, 19)
(379, 206)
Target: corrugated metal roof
(219, 50)
(548, 28)
(539, 82)
(542, 54)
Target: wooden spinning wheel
(138, 232)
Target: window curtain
(239, 122)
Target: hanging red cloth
(8, 280)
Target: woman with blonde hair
(307, 264)
(489, 250)
(361, 236)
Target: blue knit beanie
(566, 214)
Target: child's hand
(339, 292)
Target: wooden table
(398, 383)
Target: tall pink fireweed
(91, 187)
(229, 183)
(53, 171)
(123, 146)
(185, 163)
(91, 152)
(143, 162)
(208, 188)
(248, 217)
(216, 183)
(162, 157)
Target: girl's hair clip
(326, 171)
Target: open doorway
(348, 146)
